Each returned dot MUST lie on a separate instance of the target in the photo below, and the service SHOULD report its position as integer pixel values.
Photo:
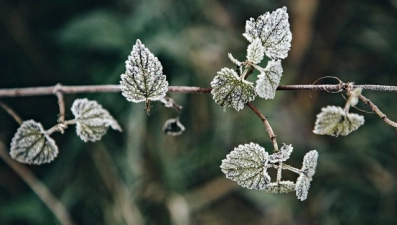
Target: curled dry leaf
(31, 144)
(92, 121)
(306, 176)
(269, 79)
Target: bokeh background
(141, 176)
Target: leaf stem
(377, 111)
(267, 125)
(61, 102)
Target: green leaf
(281, 187)
(274, 31)
(231, 91)
(334, 121)
(306, 176)
(143, 79)
(31, 144)
(246, 165)
(92, 121)
(269, 79)
(255, 51)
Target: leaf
(246, 165)
(308, 170)
(282, 155)
(281, 187)
(92, 121)
(269, 79)
(274, 31)
(334, 121)
(143, 79)
(230, 90)
(173, 127)
(31, 144)
(353, 96)
(255, 51)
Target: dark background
(141, 176)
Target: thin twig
(56, 206)
(61, 103)
(11, 112)
(377, 111)
(267, 125)
(50, 90)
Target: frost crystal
(308, 170)
(334, 121)
(255, 51)
(269, 79)
(235, 61)
(173, 127)
(92, 121)
(230, 90)
(282, 155)
(274, 31)
(32, 145)
(143, 79)
(281, 187)
(246, 165)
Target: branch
(50, 90)
(377, 111)
(267, 125)
(39, 188)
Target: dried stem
(11, 112)
(61, 102)
(267, 125)
(39, 188)
(377, 111)
(50, 90)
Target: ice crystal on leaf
(31, 144)
(92, 121)
(274, 31)
(255, 51)
(246, 165)
(235, 61)
(281, 187)
(306, 176)
(143, 79)
(269, 79)
(282, 155)
(335, 121)
(230, 90)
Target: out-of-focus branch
(57, 208)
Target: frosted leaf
(173, 127)
(143, 79)
(334, 121)
(282, 155)
(274, 31)
(269, 79)
(353, 98)
(246, 165)
(281, 187)
(255, 51)
(92, 121)
(235, 61)
(308, 170)
(230, 90)
(31, 144)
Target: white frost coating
(92, 121)
(235, 61)
(143, 79)
(173, 127)
(269, 79)
(281, 187)
(246, 165)
(308, 170)
(230, 90)
(274, 31)
(31, 144)
(334, 121)
(282, 155)
(255, 51)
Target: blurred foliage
(86, 42)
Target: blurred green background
(141, 176)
